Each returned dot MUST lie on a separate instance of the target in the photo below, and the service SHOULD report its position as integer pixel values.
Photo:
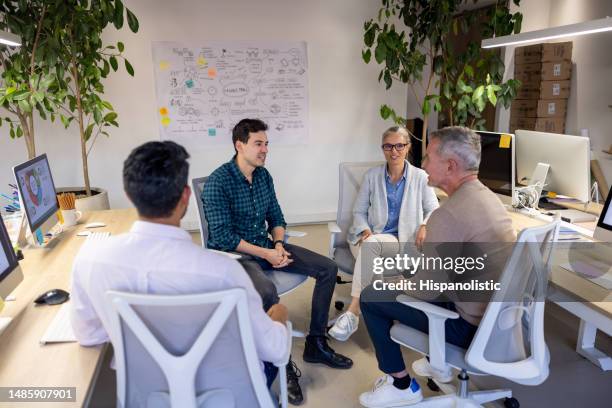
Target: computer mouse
(53, 297)
(95, 225)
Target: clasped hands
(278, 257)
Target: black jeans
(380, 316)
(305, 262)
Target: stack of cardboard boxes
(541, 101)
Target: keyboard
(60, 329)
(98, 236)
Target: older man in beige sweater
(472, 214)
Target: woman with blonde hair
(389, 216)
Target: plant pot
(97, 201)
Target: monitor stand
(538, 179)
(36, 240)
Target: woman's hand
(365, 235)
(420, 237)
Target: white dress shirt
(160, 259)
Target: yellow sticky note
(163, 111)
(60, 217)
(504, 141)
(165, 121)
(212, 72)
(552, 194)
(201, 61)
(164, 65)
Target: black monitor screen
(8, 259)
(495, 170)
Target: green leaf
(385, 112)
(109, 117)
(120, 46)
(88, 131)
(491, 95)
(380, 52)
(366, 55)
(132, 20)
(478, 93)
(388, 79)
(113, 62)
(129, 68)
(438, 63)
(469, 71)
(446, 91)
(20, 95)
(518, 21)
(368, 37)
(426, 109)
(24, 105)
(118, 15)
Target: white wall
(344, 98)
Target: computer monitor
(10, 272)
(497, 163)
(603, 231)
(37, 193)
(568, 157)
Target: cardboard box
(542, 108)
(543, 71)
(551, 125)
(557, 52)
(544, 90)
(543, 53)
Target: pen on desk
(13, 186)
(7, 197)
(569, 239)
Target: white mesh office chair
(350, 178)
(188, 351)
(509, 342)
(284, 282)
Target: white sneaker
(384, 394)
(345, 325)
(423, 368)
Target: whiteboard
(204, 90)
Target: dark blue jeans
(305, 262)
(379, 316)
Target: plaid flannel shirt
(236, 209)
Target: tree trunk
(424, 136)
(27, 125)
(80, 119)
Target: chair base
(464, 399)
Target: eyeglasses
(398, 146)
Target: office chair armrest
(333, 228)
(436, 317)
(282, 368)
(428, 308)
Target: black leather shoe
(294, 391)
(318, 351)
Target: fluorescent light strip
(587, 27)
(9, 39)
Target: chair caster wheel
(511, 403)
(431, 384)
(339, 305)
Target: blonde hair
(397, 129)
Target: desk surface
(24, 361)
(582, 289)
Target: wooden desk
(591, 303)
(24, 361)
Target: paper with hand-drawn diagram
(203, 91)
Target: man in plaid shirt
(241, 210)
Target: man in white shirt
(157, 256)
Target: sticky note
(212, 72)
(212, 132)
(189, 83)
(201, 61)
(163, 111)
(504, 141)
(165, 121)
(60, 217)
(164, 65)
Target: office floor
(573, 381)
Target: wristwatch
(277, 242)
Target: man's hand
(365, 235)
(278, 257)
(279, 313)
(420, 237)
